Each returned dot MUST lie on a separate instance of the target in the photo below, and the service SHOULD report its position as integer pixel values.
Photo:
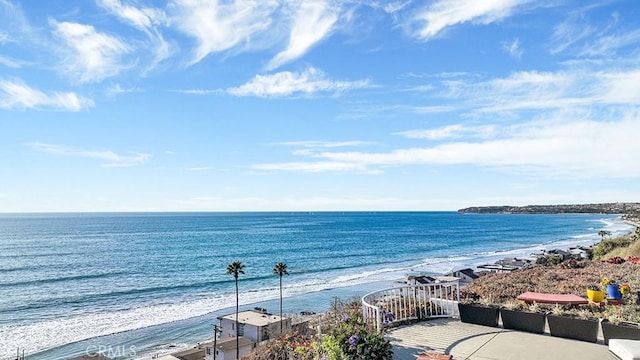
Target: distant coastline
(603, 208)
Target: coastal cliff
(605, 208)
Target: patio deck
(475, 342)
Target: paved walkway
(475, 342)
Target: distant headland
(605, 208)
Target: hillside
(604, 208)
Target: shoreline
(186, 333)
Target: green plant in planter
(535, 307)
(513, 305)
(621, 322)
(572, 323)
(521, 316)
(559, 310)
(480, 311)
(622, 313)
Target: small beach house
(255, 325)
(225, 348)
(466, 276)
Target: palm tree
(236, 268)
(280, 269)
(604, 233)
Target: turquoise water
(151, 280)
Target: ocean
(142, 284)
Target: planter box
(478, 314)
(523, 320)
(620, 331)
(573, 328)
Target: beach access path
(475, 342)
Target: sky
(317, 105)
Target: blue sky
(190, 105)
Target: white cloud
(450, 132)
(608, 45)
(568, 33)
(201, 91)
(117, 89)
(618, 87)
(446, 13)
(4, 37)
(288, 83)
(142, 18)
(8, 62)
(396, 6)
(146, 20)
(593, 37)
(309, 148)
(199, 168)
(13, 21)
(90, 56)
(324, 144)
(219, 26)
(18, 95)
(553, 148)
(320, 166)
(110, 158)
(513, 48)
(313, 21)
(431, 109)
(577, 87)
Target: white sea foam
(38, 336)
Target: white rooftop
(253, 318)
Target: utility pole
(216, 330)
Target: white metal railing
(411, 302)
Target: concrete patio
(475, 342)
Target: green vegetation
(617, 258)
(604, 233)
(604, 247)
(550, 260)
(345, 337)
(236, 268)
(632, 249)
(622, 246)
(280, 269)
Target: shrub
(572, 264)
(360, 341)
(347, 337)
(606, 246)
(550, 260)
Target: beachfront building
(420, 279)
(225, 348)
(254, 328)
(563, 254)
(507, 265)
(465, 276)
(255, 325)
(196, 353)
(580, 252)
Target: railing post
(429, 301)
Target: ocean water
(150, 282)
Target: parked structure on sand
(255, 328)
(507, 265)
